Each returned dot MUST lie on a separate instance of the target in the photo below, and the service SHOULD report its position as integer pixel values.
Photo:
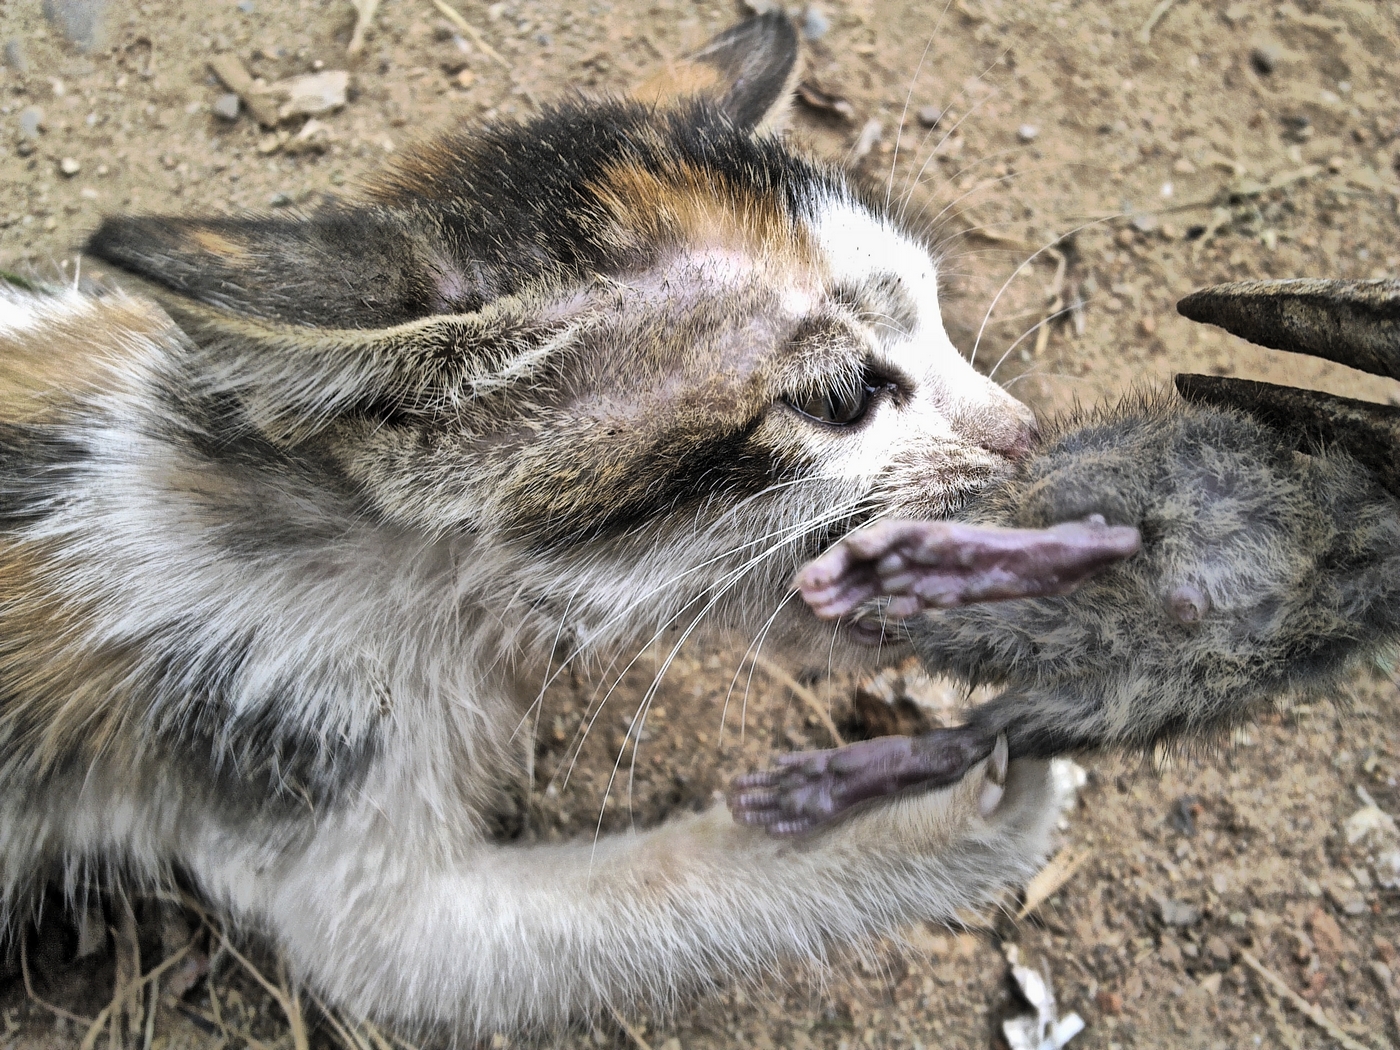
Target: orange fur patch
(215, 243)
(678, 80)
(74, 353)
(685, 205)
(64, 701)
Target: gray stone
(226, 106)
(1265, 58)
(929, 116)
(31, 121)
(15, 56)
(814, 23)
(1179, 913)
(81, 21)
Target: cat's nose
(1013, 435)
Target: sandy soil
(1075, 162)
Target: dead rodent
(1249, 555)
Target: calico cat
(283, 562)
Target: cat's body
(280, 577)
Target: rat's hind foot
(803, 791)
(944, 564)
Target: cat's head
(632, 337)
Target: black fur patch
(460, 222)
(38, 465)
(252, 752)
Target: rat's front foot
(922, 565)
(804, 791)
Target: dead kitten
(1179, 565)
(283, 574)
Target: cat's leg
(385, 913)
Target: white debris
(1043, 1030)
(1368, 820)
(312, 94)
(1067, 777)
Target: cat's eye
(842, 406)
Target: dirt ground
(1095, 158)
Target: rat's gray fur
(1263, 570)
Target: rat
(1157, 570)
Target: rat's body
(1244, 560)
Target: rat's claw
(995, 785)
(1001, 757)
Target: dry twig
(450, 13)
(802, 693)
(1050, 878)
(57, 1011)
(632, 1032)
(364, 17)
(122, 993)
(1145, 33)
(1309, 1010)
(289, 1001)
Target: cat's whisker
(1031, 331)
(717, 591)
(987, 316)
(913, 83)
(670, 658)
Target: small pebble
(1265, 58)
(69, 166)
(1028, 132)
(1148, 325)
(81, 21)
(246, 6)
(279, 200)
(31, 121)
(929, 116)
(1144, 222)
(814, 23)
(226, 106)
(1110, 1003)
(466, 78)
(1179, 913)
(15, 56)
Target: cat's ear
(750, 70)
(292, 380)
(338, 267)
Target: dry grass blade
(364, 17)
(1312, 1012)
(450, 13)
(1145, 33)
(351, 1039)
(802, 693)
(287, 1000)
(1050, 878)
(632, 1032)
(1055, 304)
(122, 993)
(57, 1011)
